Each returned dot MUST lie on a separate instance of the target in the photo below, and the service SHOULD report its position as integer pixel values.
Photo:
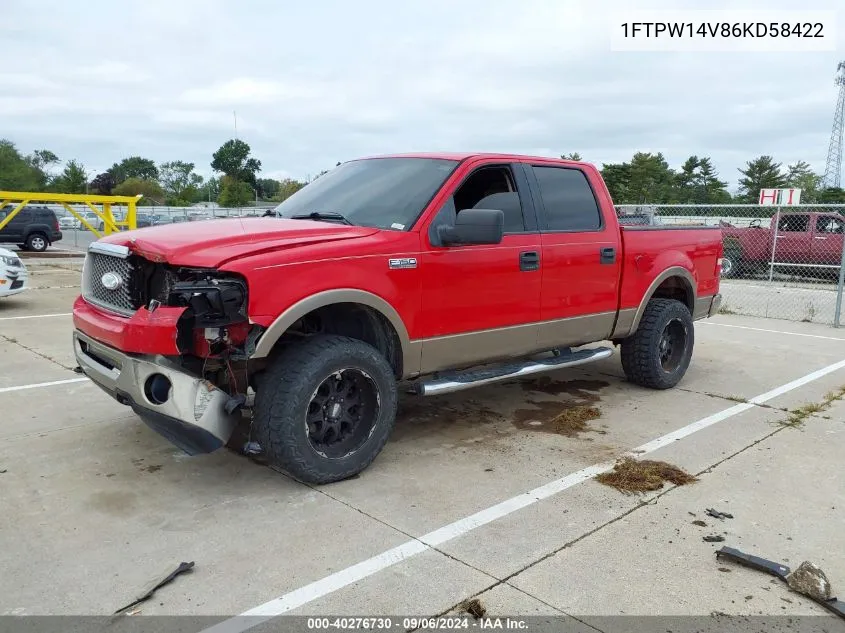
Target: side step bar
(456, 381)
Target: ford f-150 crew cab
(431, 272)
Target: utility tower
(833, 167)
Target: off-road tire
(283, 396)
(641, 358)
(37, 242)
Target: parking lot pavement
(474, 494)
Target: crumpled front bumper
(185, 409)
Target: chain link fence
(779, 262)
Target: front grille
(97, 266)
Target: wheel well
(354, 320)
(676, 288)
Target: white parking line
(36, 316)
(760, 329)
(42, 384)
(371, 566)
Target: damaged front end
(171, 342)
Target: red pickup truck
(793, 240)
(433, 272)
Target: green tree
(268, 188)
(234, 193)
(150, 189)
(830, 195)
(572, 156)
(41, 160)
(233, 160)
(616, 176)
(16, 173)
(698, 183)
(760, 173)
(650, 180)
(287, 188)
(800, 176)
(179, 182)
(134, 167)
(73, 179)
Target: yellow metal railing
(101, 207)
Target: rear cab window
(567, 199)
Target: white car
(13, 275)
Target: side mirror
(474, 226)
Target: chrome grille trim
(115, 250)
(97, 264)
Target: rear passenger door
(827, 240)
(794, 239)
(581, 258)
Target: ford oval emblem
(111, 281)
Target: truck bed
(649, 248)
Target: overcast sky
(318, 82)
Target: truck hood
(211, 243)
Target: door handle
(529, 261)
(607, 255)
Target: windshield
(388, 193)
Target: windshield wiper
(330, 216)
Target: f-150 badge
(402, 262)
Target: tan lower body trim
(576, 330)
(474, 348)
(624, 323)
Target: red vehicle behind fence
(436, 272)
(792, 241)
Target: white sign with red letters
(780, 197)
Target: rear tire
(37, 242)
(658, 354)
(731, 264)
(325, 408)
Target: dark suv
(34, 228)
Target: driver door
(482, 302)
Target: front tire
(658, 354)
(325, 408)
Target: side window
(492, 187)
(568, 199)
(828, 224)
(794, 223)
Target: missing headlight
(212, 302)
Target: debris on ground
(713, 538)
(699, 523)
(555, 417)
(716, 514)
(725, 569)
(633, 475)
(157, 584)
(810, 580)
(474, 607)
(134, 611)
(77, 370)
(3, 471)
